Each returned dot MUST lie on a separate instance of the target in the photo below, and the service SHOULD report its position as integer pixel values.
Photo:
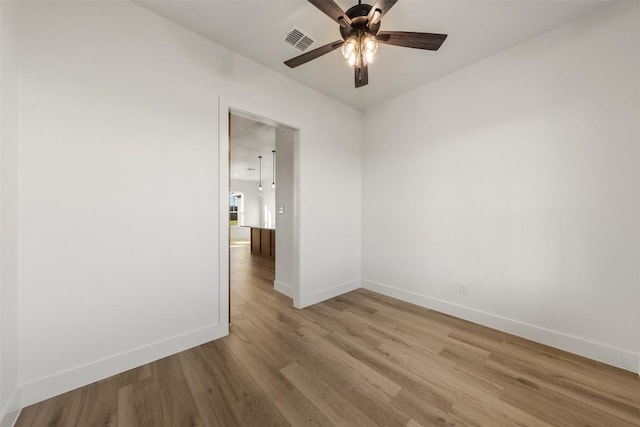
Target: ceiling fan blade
(361, 75)
(313, 54)
(383, 6)
(333, 11)
(427, 41)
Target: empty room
(442, 228)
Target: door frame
(226, 107)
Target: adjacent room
(318, 212)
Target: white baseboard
(283, 288)
(62, 382)
(328, 293)
(593, 350)
(11, 411)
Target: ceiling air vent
(298, 39)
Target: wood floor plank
(127, 415)
(355, 387)
(60, 411)
(207, 384)
(253, 406)
(396, 330)
(300, 411)
(439, 371)
(139, 405)
(27, 415)
(438, 397)
(361, 359)
(353, 369)
(268, 346)
(98, 405)
(423, 410)
(332, 405)
(178, 407)
(558, 409)
(267, 375)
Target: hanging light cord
(260, 159)
(273, 175)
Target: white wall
(259, 206)
(119, 188)
(252, 207)
(267, 198)
(249, 190)
(237, 233)
(286, 280)
(9, 402)
(518, 176)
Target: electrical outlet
(463, 289)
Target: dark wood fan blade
(361, 75)
(383, 6)
(332, 10)
(428, 41)
(313, 54)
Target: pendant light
(260, 160)
(273, 175)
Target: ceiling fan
(359, 28)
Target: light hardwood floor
(358, 360)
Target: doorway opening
(238, 234)
(261, 212)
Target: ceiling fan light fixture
(350, 50)
(369, 47)
(360, 50)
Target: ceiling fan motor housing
(358, 15)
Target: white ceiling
(476, 29)
(250, 139)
